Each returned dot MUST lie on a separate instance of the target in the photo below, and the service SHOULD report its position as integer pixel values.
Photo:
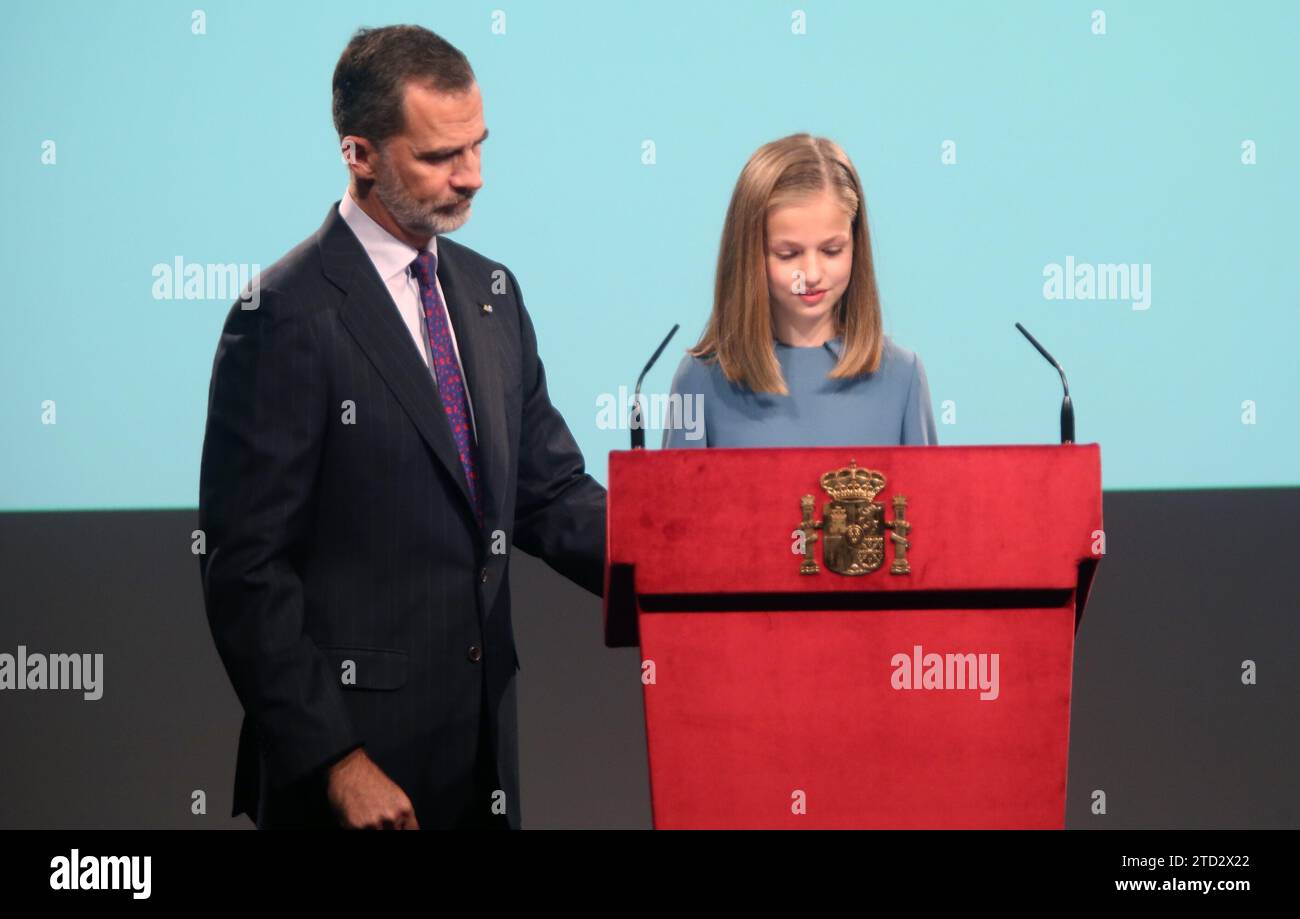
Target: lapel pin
(487, 307)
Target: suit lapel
(372, 318)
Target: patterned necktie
(451, 386)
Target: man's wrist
(337, 761)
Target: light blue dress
(890, 407)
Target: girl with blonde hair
(795, 353)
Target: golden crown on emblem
(849, 483)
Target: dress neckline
(777, 343)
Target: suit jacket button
(475, 653)
(482, 575)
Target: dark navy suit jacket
(351, 594)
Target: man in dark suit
(379, 434)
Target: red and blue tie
(451, 385)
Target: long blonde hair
(739, 332)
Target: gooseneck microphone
(636, 420)
(1067, 407)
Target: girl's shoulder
(694, 373)
(897, 361)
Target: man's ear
(359, 156)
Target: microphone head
(635, 422)
(1067, 421)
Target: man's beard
(416, 218)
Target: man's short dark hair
(371, 76)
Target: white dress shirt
(392, 258)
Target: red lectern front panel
(935, 698)
(792, 719)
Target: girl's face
(809, 257)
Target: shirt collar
(390, 255)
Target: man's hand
(364, 798)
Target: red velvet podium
(930, 691)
